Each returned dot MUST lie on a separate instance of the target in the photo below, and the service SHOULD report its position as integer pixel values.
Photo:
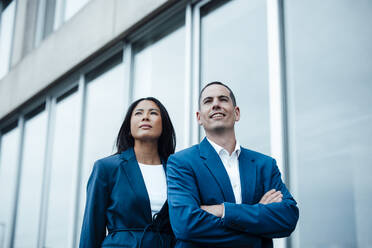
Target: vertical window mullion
(188, 76)
(50, 108)
(82, 103)
(128, 70)
(196, 71)
(21, 125)
(278, 138)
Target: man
(223, 195)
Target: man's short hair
(232, 96)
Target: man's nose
(216, 104)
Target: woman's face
(145, 122)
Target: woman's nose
(145, 117)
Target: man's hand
(271, 196)
(216, 210)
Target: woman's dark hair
(167, 139)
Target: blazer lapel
(247, 171)
(217, 169)
(137, 183)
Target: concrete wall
(96, 25)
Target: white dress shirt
(155, 181)
(231, 164)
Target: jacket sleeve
(274, 220)
(189, 222)
(94, 223)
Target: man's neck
(226, 140)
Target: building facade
(301, 72)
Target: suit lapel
(247, 171)
(137, 183)
(217, 169)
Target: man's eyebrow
(207, 98)
(210, 97)
(220, 96)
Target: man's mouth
(217, 115)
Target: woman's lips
(145, 126)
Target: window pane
(105, 108)
(6, 33)
(62, 186)
(28, 209)
(234, 51)
(73, 6)
(159, 71)
(65, 9)
(8, 180)
(330, 85)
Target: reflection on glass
(330, 104)
(159, 71)
(6, 33)
(8, 179)
(29, 202)
(72, 7)
(105, 108)
(65, 9)
(234, 51)
(63, 174)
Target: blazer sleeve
(189, 222)
(274, 220)
(94, 223)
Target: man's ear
(237, 113)
(198, 118)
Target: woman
(126, 192)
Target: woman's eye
(154, 113)
(137, 113)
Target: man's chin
(217, 129)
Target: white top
(156, 185)
(231, 164)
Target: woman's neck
(147, 152)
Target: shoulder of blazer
(256, 157)
(186, 153)
(112, 162)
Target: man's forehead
(215, 91)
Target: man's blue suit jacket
(196, 176)
(117, 199)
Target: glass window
(106, 103)
(72, 7)
(8, 180)
(159, 71)
(62, 188)
(330, 88)
(65, 9)
(29, 201)
(234, 51)
(6, 35)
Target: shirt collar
(219, 148)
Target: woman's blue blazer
(117, 199)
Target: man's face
(217, 112)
